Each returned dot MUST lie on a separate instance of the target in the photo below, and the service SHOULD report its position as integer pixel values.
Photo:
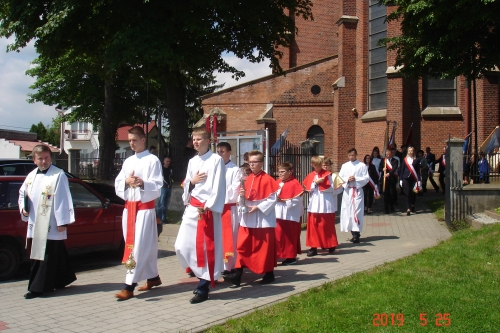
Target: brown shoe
(149, 284)
(124, 295)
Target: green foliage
(458, 276)
(49, 133)
(459, 225)
(447, 38)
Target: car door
(10, 220)
(94, 224)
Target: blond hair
(201, 132)
(317, 160)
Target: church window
(377, 56)
(440, 92)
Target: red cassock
(227, 232)
(257, 246)
(287, 231)
(320, 226)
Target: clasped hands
(134, 181)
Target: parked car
(98, 224)
(22, 167)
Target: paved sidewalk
(88, 305)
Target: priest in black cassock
(45, 203)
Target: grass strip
(459, 277)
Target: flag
(275, 149)
(465, 147)
(409, 138)
(386, 140)
(392, 139)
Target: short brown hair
(317, 160)
(40, 149)
(137, 130)
(202, 132)
(286, 165)
(328, 161)
(256, 153)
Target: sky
(17, 114)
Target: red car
(98, 224)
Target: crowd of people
(236, 217)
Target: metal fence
(86, 167)
(300, 157)
(481, 169)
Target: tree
(48, 133)
(447, 38)
(156, 40)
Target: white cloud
(17, 114)
(252, 70)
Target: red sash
(227, 232)
(375, 188)
(413, 173)
(354, 194)
(132, 208)
(205, 235)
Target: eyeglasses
(254, 162)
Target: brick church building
(339, 87)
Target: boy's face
(326, 166)
(255, 164)
(224, 153)
(136, 142)
(352, 156)
(284, 174)
(200, 144)
(317, 167)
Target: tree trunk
(107, 133)
(177, 119)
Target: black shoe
(312, 252)
(198, 298)
(268, 278)
(355, 240)
(234, 278)
(408, 213)
(413, 209)
(225, 273)
(191, 274)
(331, 250)
(32, 294)
(289, 261)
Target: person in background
(370, 190)
(355, 176)
(323, 187)
(409, 179)
(424, 170)
(289, 209)
(484, 169)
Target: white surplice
(353, 199)
(62, 205)
(147, 167)
(323, 202)
(233, 183)
(213, 193)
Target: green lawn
(458, 279)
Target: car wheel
(9, 261)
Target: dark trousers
(433, 182)
(203, 287)
(390, 194)
(368, 195)
(441, 180)
(54, 272)
(411, 197)
(425, 175)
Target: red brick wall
(316, 39)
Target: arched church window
(316, 133)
